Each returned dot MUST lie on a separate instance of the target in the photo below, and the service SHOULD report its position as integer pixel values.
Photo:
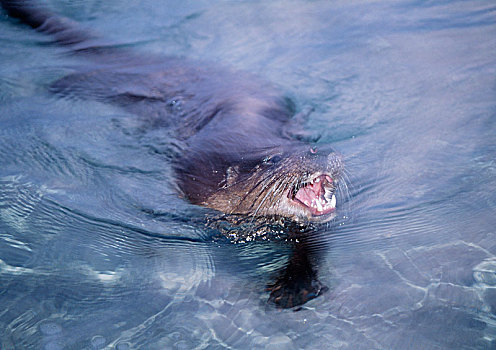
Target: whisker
(269, 192)
(261, 182)
(262, 202)
(278, 190)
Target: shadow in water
(298, 283)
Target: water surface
(97, 250)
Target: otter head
(297, 182)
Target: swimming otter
(236, 156)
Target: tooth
(333, 201)
(319, 205)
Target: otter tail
(63, 30)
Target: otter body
(236, 155)
(237, 150)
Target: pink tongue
(308, 193)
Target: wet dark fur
(236, 156)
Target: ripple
(54, 345)
(485, 273)
(123, 346)
(17, 202)
(98, 342)
(9, 87)
(23, 145)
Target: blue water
(97, 250)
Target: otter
(238, 154)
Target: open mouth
(317, 196)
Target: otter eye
(272, 160)
(276, 159)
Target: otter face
(294, 182)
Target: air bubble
(49, 328)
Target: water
(97, 250)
